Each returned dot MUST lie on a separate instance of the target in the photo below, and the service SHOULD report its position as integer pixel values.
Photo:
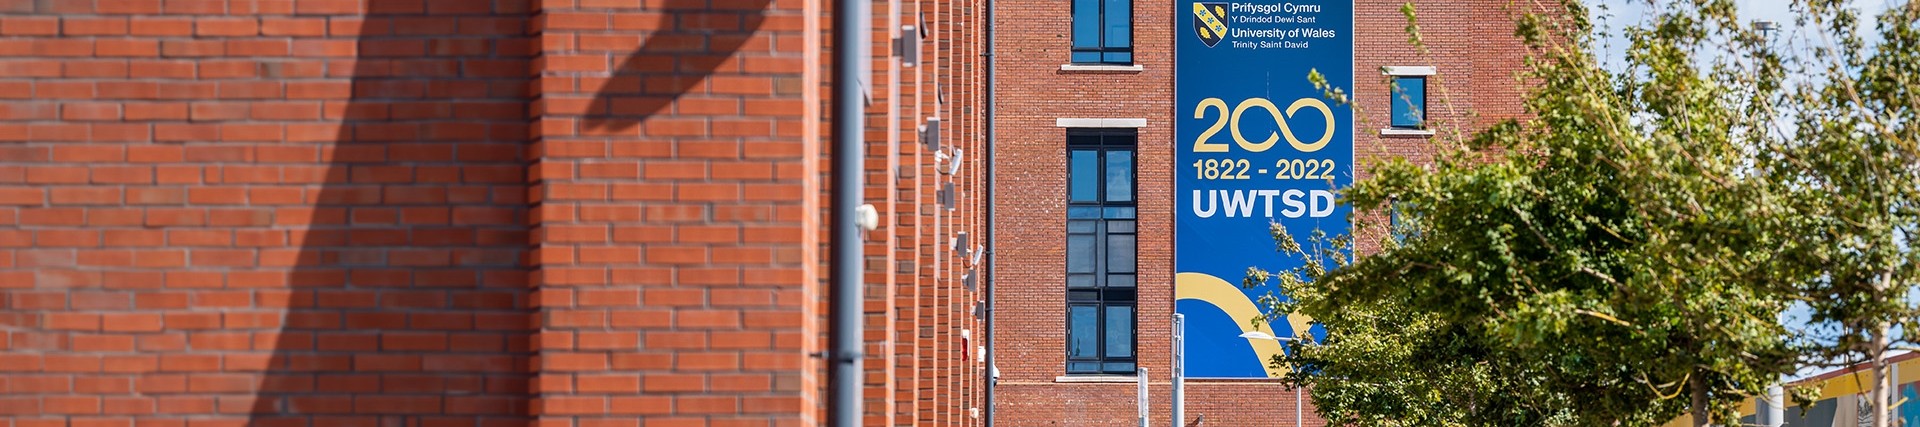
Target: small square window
(1409, 102)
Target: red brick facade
(265, 212)
(1473, 49)
(463, 212)
(578, 213)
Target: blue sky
(1625, 12)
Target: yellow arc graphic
(1228, 298)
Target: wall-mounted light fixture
(930, 134)
(907, 47)
(946, 195)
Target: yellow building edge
(1853, 380)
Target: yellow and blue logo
(1210, 22)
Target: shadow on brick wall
(694, 41)
(409, 295)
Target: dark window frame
(1100, 286)
(1100, 49)
(1399, 98)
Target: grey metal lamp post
(1297, 402)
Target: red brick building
(464, 212)
(1045, 94)
(582, 213)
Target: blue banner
(1255, 142)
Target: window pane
(1120, 253)
(1081, 227)
(1119, 281)
(1083, 367)
(1404, 226)
(1083, 331)
(1409, 101)
(1119, 331)
(1117, 58)
(1119, 176)
(1086, 23)
(1080, 280)
(1119, 23)
(1120, 213)
(1085, 176)
(1080, 253)
(1086, 57)
(1116, 227)
(1119, 368)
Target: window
(1101, 247)
(1399, 222)
(1103, 31)
(1409, 102)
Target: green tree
(1611, 259)
(1849, 155)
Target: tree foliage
(1620, 256)
(1849, 152)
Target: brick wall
(570, 212)
(271, 212)
(672, 232)
(487, 212)
(925, 374)
(1472, 47)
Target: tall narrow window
(1103, 31)
(1101, 248)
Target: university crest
(1210, 22)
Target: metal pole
(993, 270)
(850, 19)
(1179, 370)
(1776, 414)
(1299, 400)
(1141, 394)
